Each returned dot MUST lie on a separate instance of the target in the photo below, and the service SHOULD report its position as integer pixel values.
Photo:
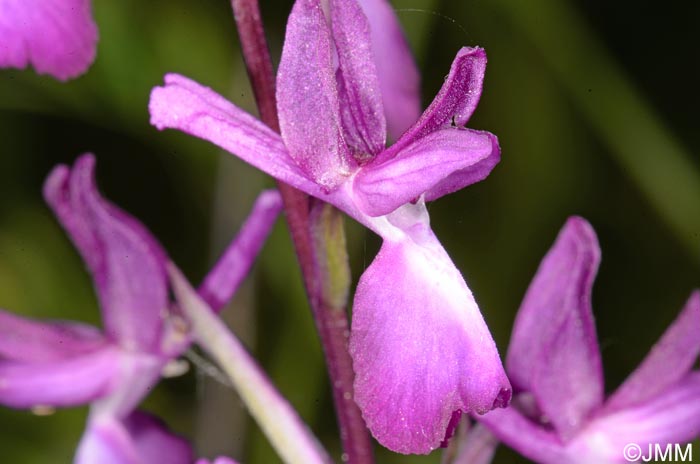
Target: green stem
(278, 420)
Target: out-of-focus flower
(421, 350)
(68, 363)
(56, 37)
(559, 414)
(137, 439)
(219, 460)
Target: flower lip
(503, 398)
(421, 350)
(451, 427)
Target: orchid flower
(62, 364)
(57, 37)
(559, 413)
(138, 439)
(219, 460)
(421, 350)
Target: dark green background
(595, 104)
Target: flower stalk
(277, 418)
(310, 245)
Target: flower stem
(330, 317)
(277, 418)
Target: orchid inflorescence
(427, 373)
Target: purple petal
(57, 37)
(307, 98)
(139, 439)
(671, 417)
(154, 442)
(439, 163)
(553, 351)
(126, 263)
(526, 437)
(421, 350)
(467, 176)
(58, 196)
(106, 441)
(472, 445)
(223, 280)
(135, 376)
(27, 340)
(455, 102)
(219, 460)
(185, 105)
(64, 382)
(399, 80)
(360, 98)
(669, 360)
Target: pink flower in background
(219, 460)
(139, 438)
(559, 412)
(56, 37)
(421, 351)
(62, 364)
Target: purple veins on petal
(56, 37)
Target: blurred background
(595, 104)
